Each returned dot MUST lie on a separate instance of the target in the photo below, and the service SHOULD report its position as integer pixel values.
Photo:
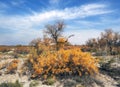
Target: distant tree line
(107, 44)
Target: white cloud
(29, 21)
(82, 35)
(73, 13)
(89, 24)
(19, 37)
(92, 6)
(27, 27)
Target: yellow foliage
(71, 61)
(61, 40)
(13, 66)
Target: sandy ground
(100, 80)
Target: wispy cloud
(28, 27)
(104, 22)
(69, 13)
(74, 12)
(82, 35)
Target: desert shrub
(118, 83)
(15, 55)
(33, 84)
(3, 65)
(22, 49)
(107, 65)
(49, 81)
(16, 84)
(63, 62)
(4, 49)
(12, 66)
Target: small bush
(3, 65)
(13, 66)
(16, 84)
(49, 81)
(108, 64)
(118, 83)
(33, 84)
(15, 55)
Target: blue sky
(23, 20)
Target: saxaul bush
(63, 62)
(12, 66)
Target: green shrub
(108, 64)
(33, 84)
(49, 81)
(16, 84)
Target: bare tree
(35, 42)
(55, 31)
